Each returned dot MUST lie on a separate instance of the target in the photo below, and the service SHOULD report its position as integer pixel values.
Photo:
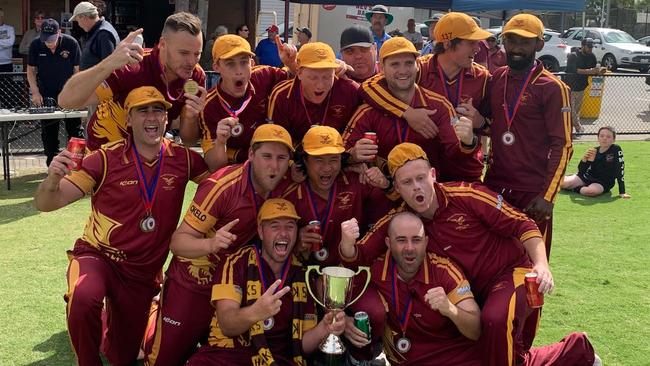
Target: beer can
(77, 146)
(534, 297)
(371, 136)
(315, 247)
(362, 322)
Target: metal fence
(25, 136)
(619, 100)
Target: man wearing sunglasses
(580, 65)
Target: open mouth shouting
(419, 198)
(281, 247)
(152, 130)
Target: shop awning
(547, 5)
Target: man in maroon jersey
(237, 105)
(166, 67)
(452, 73)
(433, 318)
(220, 219)
(477, 229)
(137, 189)
(263, 312)
(531, 126)
(455, 139)
(316, 96)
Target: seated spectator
(599, 167)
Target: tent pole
(287, 3)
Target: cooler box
(593, 97)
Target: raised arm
(79, 90)
(55, 192)
(187, 242)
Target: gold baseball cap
(316, 55)
(395, 46)
(402, 154)
(230, 45)
(269, 132)
(322, 140)
(459, 25)
(144, 95)
(274, 208)
(525, 25)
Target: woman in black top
(599, 167)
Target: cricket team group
(376, 160)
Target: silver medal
(237, 129)
(322, 254)
(147, 224)
(508, 138)
(269, 323)
(403, 345)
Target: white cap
(83, 8)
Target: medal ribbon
(402, 135)
(324, 219)
(402, 317)
(459, 85)
(302, 100)
(234, 113)
(252, 190)
(148, 191)
(511, 109)
(285, 270)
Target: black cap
(304, 30)
(49, 30)
(356, 35)
(587, 42)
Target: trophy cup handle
(309, 269)
(367, 270)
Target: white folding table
(11, 118)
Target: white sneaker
(597, 360)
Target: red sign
(329, 7)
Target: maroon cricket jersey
(435, 339)
(262, 81)
(469, 83)
(226, 195)
(290, 110)
(473, 226)
(347, 200)
(496, 59)
(232, 284)
(108, 123)
(392, 130)
(113, 228)
(537, 158)
(482, 55)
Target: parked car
(644, 40)
(555, 51)
(424, 31)
(613, 47)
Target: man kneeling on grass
(126, 239)
(263, 313)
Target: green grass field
(600, 261)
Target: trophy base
(332, 346)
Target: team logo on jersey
(525, 96)
(65, 53)
(168, 181)
(609, 158)
(337, 110)
(129, 182)
(202, 273)
(345, 200)
(459, 220)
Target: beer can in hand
(315, 247)
(534, 297)
(77, 146)
(371, 136)
(362, 322)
